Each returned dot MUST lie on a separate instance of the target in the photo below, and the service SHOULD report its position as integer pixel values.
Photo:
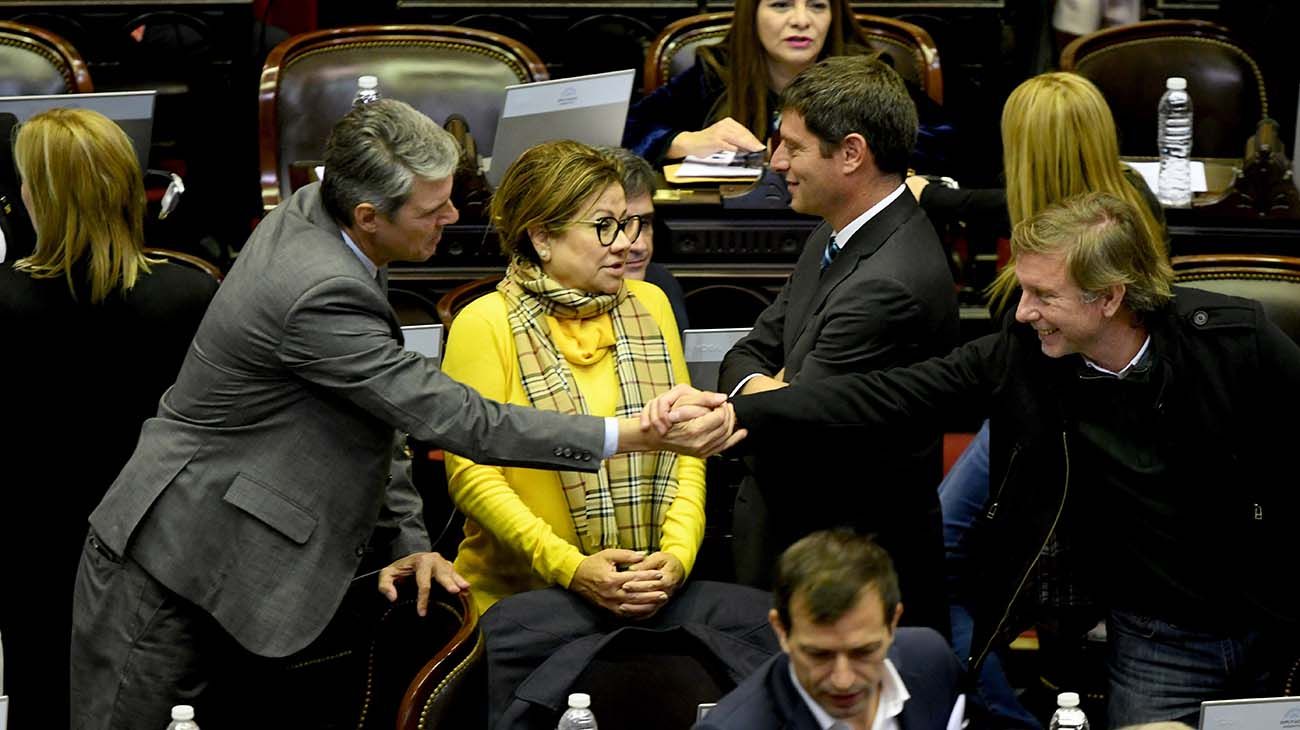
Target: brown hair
(545, 188)
(739, 60)
(830, 569)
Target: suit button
(1200, 318)
(361, 550)
(388, 480)
(586, 456)
(559, 451)
(568, 452)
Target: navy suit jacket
(768, 700)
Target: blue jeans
(962, 495)
(1159, 671)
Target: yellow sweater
(519, 535)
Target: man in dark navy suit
(845, 663)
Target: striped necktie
(832, 250)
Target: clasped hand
(690, 421)
(637, 592)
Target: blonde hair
(86, 197)
(545, 188)
(1059, 140)
(1104, 244)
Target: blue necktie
(832, 250)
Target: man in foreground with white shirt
(846, 665)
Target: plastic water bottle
(578, 716)
(1175, 142)
(367, 90)
(1068, 716)
(183, 718)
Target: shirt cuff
(741, 385)
(611, 438)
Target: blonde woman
(94, 332)
(567, 331)
(1059, 141)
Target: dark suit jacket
(887, 300)
(253, 492)
(768, 700)
(78, 380)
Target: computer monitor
(132, 110)
(425, 339)
(589, 109)
(1248, 714)
(704, 350)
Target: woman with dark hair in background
(95, 332)
(727, 100)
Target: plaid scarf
(623, 504)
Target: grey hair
(638, 176)
(375, 153)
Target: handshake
(683, 420)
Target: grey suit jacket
(254, 489)
(887, 300)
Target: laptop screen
(132, 110)
(588, 109)
(425, 339)
(704, 350)
(1271, 713)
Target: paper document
(720, 164)
(1150, 172)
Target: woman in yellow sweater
(565, 331)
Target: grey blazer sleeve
(336, 337)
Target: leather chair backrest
(1130, 63)
(909, 46)
(1273, 281)
(450, 690)
(36, 61)
(309, 82)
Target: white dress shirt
(893, 695)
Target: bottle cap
(1068, 699)
(1176, 83)
(184, 713)
(368, 82)
(580, 700)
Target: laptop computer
(425, 339)
(1267, 713)
(704, 350)
(588, 109)
(132, 110)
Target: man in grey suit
(871, 290)
(234, 530)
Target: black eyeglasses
(608, 227)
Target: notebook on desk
(1271, 713)
(588, 109)
(704, 350)
(132, 110)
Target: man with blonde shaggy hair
(1133, 423)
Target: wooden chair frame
(181, 257)
(715, 25)
(455, 657)
(451, 302)
(54, 48)
(511, 52)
